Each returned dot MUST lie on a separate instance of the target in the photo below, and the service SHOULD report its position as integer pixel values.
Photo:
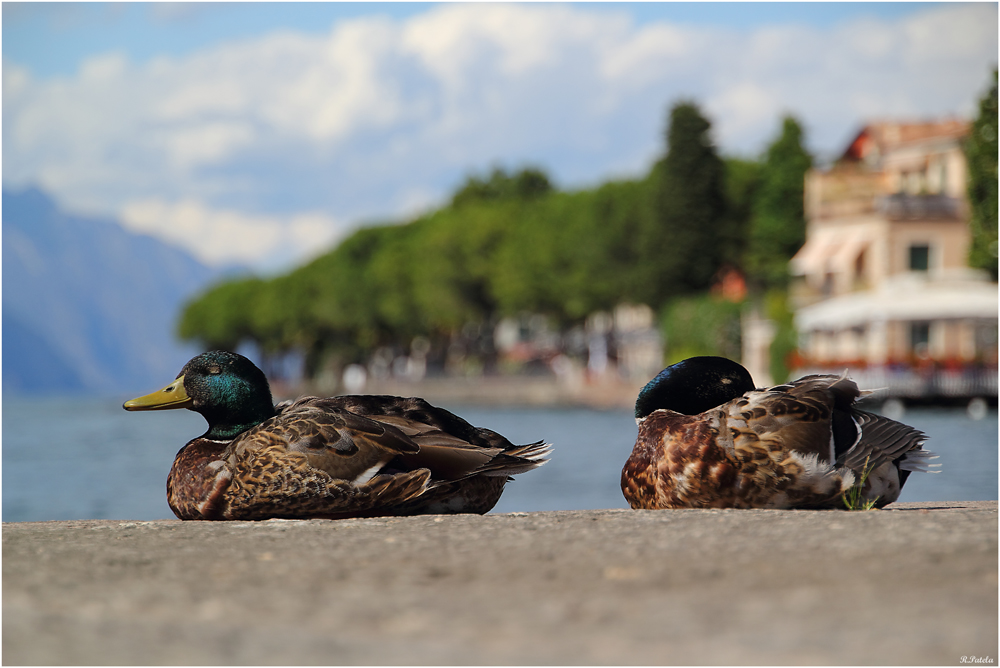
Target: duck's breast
(677, 462)
(198, 481)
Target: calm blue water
(89, 459)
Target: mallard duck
(348, 456)
(708, 439)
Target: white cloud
(15, 80)
(749, 104)
(206, 143)
(232, 237)
(103, 69)
(378, 116)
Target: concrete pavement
(911, 584)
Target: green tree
(682, 250)
(338, 300)
(701, 325)
(742, 184)
(453, 264)
(222, 317)
(279, 314)
(509, 243)
(778, 226)
(786, 339)
(525, 184)
(981, 151)
(569, 254)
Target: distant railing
(919, 207)
(907, 382)
(899, 206)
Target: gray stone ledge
(911, 584)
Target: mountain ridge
(89, 306)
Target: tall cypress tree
(981, 151)
(778, 225)
(687, 240)
(742, 182)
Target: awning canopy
(830, 250)
(811, 258)
(852, 244)
(908, 297)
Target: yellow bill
(171, 396)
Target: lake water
(89, 459)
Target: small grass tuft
(852, 497)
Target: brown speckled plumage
(353, 456)
(771, 449)
(306, 462)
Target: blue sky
(51, 39)
(264, 132)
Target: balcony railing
(919, 207)
(907, 382)
(854, 191)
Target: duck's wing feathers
(342, 444)
(449, 446)
(884, 440)
(273, 482)
(795, 416)
(816, 414)
(447, 456)
(416, 411)
(518, 459)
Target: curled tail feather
(518, 459)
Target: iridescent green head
(227, 389)
(694, 386)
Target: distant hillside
(87, 305)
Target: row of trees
(981, 151)
(509, 243)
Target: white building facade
(881, 285)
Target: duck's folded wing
(451, 447)
(447, 456)
(273, 482)
(452, 458)
(419, 413)
(788, 418)
(342, 444)
(519, 459)
(884, 440)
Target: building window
(920, 338)
(920, 256)
(986, 341)
(827, 289)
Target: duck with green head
(348, 456)
(709, 439)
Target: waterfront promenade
(911, 584)
(608, 392)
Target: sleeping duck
(349, 456)
(709, 439)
